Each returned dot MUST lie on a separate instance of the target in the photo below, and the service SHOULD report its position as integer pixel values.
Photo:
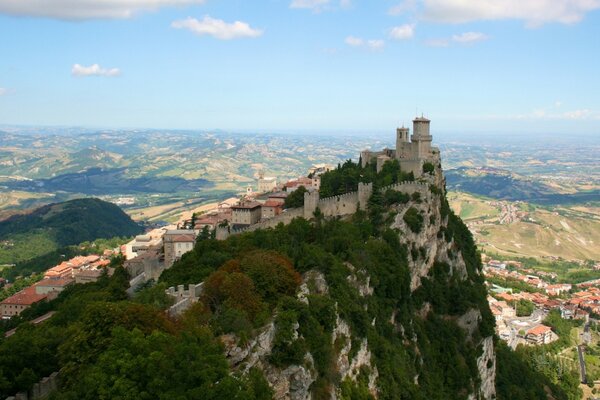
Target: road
(582, 364)
(36, 321)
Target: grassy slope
(555, 231)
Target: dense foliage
(345, 177)
(442, 357)
(296, 198)
(107, 347)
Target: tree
(525, 308)
(296, 198)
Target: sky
(502, 66)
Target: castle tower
(365, 190)
(421, 137)
(311, 202)
(401, 139)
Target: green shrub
(413, 219)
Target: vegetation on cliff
(108, 346)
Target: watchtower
(421, 137)
(311, 202)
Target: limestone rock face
(486, 364)
(425, 248)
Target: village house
(246, 213)
(540, 334)
(51, 287)
(87, 276)
(17, 303)
(176, 243)
(271, 208)
(558, 289)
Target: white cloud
(404, 7)
(534, 12)
(86, 9)
(309, 4)
(377, 44)
(218, 28)
(354, 41)
(94, 70)
(578, 114)
(320, 5)
(373, 44)
(469, 37)
(463, 38)
(345, 3)
(3, 91)
(402, 32)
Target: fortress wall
(410, 188)
(285, 218)
(344, 204)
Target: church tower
(401, 139)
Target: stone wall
(40, 390)
(183, 298)
(334, 206)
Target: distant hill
(96, 181)
(501, 184)
(61, 224)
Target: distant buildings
(46, 289)
(266, 184)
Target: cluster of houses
(256, 206)
(535, 279)
(80, 269)
(546, 296)
(514, 330)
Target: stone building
(266, 183)
(176, 243)
(411, 151)
(17, 303)
(246, 213)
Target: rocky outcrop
(486, 364)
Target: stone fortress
(412, 152)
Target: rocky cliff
(391, 305)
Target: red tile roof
(272, 203)
(55, 282)
(539, 330)
(25, 297)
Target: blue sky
(526, 66)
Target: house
(17, 303)
(278, 197)
(540, 334)
(266, 183)
(88, 275)
(52, 287)
(62, 270)
(176, 243)
(271, 208)
(246, 213)
(558, 289)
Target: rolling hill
(61, 224)
(505, 185)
